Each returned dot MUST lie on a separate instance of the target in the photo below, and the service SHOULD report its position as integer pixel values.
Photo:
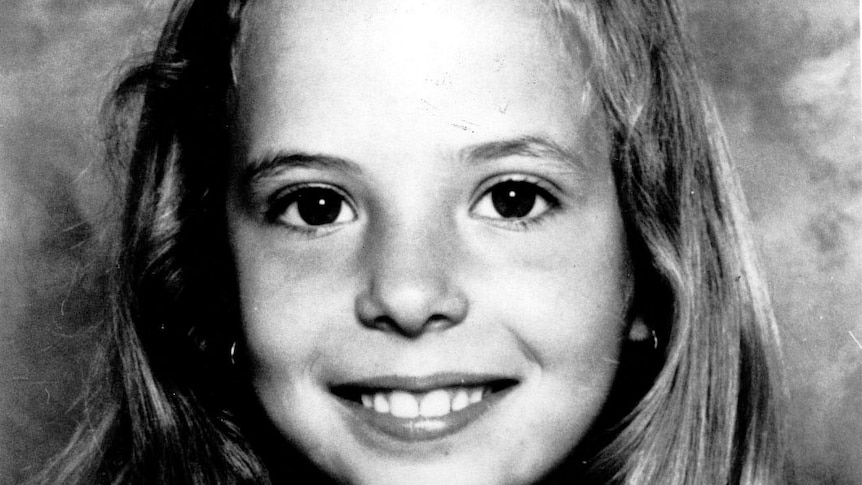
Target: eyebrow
(533, 146)
(267, 166)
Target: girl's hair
(167, 406)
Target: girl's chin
(454, 470)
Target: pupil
(513, 200)
(318, 206)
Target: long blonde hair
(164, 405)
(713, 412)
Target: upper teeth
(432, 404)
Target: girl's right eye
(309, 207)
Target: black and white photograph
(454, 242)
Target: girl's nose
(410, 288)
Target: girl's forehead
(472, 63)
(413, 37)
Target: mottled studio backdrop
(787, 77)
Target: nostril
(409, 318)
(439, 322)
(381, 322)
(386, 323)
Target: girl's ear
(641, 333)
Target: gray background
(787, 79)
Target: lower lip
(420, 428)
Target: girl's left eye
(309, 207)
(514, 200)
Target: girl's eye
(312, 206)
(514, 200)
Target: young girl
(388, 242)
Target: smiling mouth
(419, 409)
(435, 403)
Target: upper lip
(419, 384)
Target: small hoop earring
(233, 353)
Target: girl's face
(431, 257)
